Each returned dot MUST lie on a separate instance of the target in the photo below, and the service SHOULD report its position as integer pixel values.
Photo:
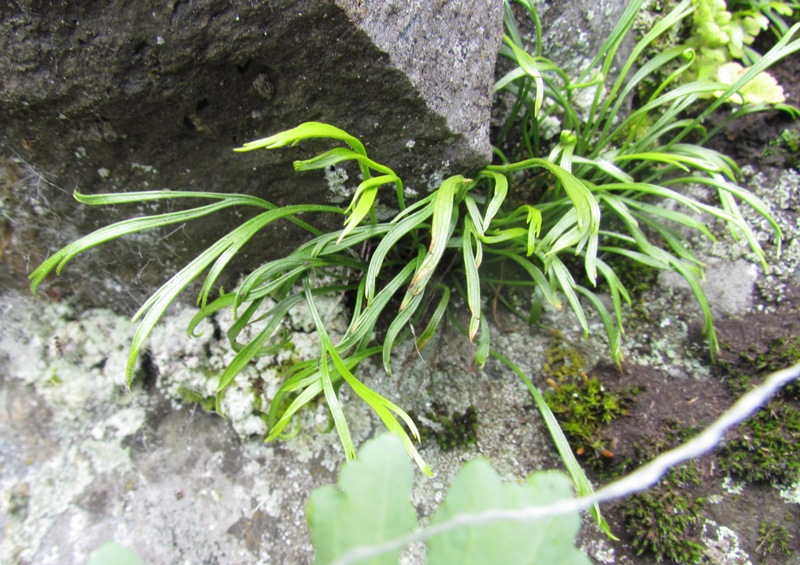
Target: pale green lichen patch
(722, 545)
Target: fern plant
(631, 165)
(608, 185)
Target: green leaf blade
(477, 487)
(371, 504)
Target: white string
(639, 480)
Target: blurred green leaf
(112, 553)
(477, 487)
(370, 504)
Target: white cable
(639, 480)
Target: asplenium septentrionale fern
(609, 185)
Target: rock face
(117, 96)
(574, 31)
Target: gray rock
(574, 31)
(441, 47)
(84, 462)
(728, 286)
(102, 97)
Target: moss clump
(582, 405)
(773, 539)
(791, 138)
(664, 522)
(450, 430)
(583, 409)
(786, 146)
(563, 362)
(766, 449)
(782, 352)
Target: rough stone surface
(574, 31)
(442, 69)
(118, 96)
(728, 285)
(84, 462)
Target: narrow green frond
(474, 214)
(741, 227)
(483, 345)
(379, 404)
(224, 301)
(307, 130)
(662, 25)
(617, 290)
(744, 195)
(637, 256)
(335, 407)
(364, 205)
(535, 273)
(241, 235)
(254, 346)
(307, 395)
(578, 192)
(400, 323)
(472, 277)
(362, 325)
(613, 331)
(384, 409)
(430, 330)
(397, 232)
(534, 220)
(498, 197)
(115, 198)
(500, 236)
(567, 285)
(683, 162)
(441, 227)
(583, 486)
(58, 260)
(605, 166)
(696, 284)
(528, 64)
(338, 155)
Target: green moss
(664, 522)
(766, 449)
(773, 539)
(786, 145)
(677, 433)
(781, 353)
(563, 361)
(451, 430)
(791, 138)
(582, 404)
